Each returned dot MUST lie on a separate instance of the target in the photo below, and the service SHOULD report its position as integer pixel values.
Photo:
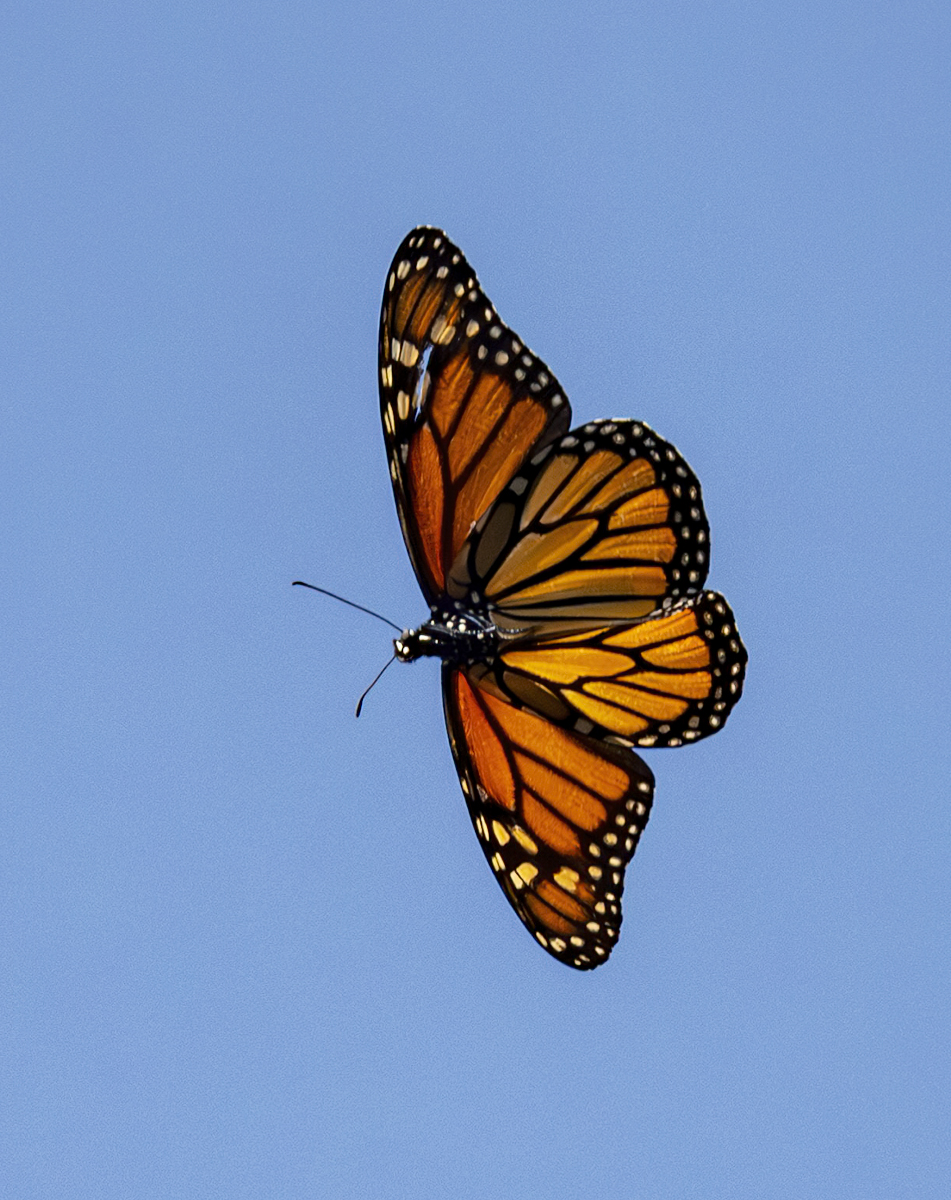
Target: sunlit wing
(558, 816)
(604, 524)
(464, 403)
(668, 680)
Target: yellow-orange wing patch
(558, 815)
(603, 524)
(670, 679)
(464, 403)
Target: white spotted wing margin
(558, 816)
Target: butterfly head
(407, 647)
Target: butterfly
(564, 571)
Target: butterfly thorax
(451, 634)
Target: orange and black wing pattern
(603, 524)
(464, 402)
(590, 562)
(558, 816)
(668, 680)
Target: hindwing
(667, 680)
(604, 524)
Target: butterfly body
(565, 572)
(453, 635)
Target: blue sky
(251, 946)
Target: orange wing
(464, 403)
(665, 681)
(558, 816)
(603, 524)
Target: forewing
(670, 679)
(604, 524)
(464, 403)
(558, 816)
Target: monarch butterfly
(564, 570)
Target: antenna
(343, 600)
(388, 663)
(369, 611)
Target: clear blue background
(250, 945)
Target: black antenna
(388, 663)
(343, 600)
